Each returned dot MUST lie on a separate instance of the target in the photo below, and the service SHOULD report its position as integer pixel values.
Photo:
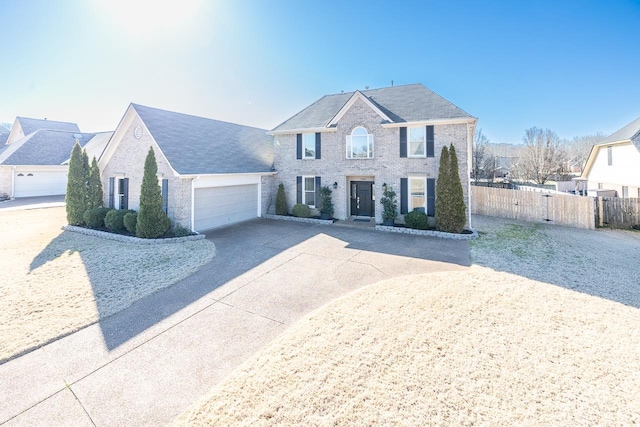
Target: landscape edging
(130, 239)
(433, 233)
(298, 219)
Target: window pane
(417, 189)
(309, 144)
(309, 198)
(359, 131)
(359, 146)
(416, 141)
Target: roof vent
(77, 136)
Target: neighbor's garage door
(43, 183)
(218, 206)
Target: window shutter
(112, 185)
(165, 195)
(298, 189)
(299, 146)
(125, 201)
(403, 195)
(431, 197)
(318, 143)
(318, 185)
(430, 139)
(403, 142)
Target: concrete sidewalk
(148, 363)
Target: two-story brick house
(357, 142)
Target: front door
(362, 198)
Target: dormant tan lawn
(54, 282)
(477, 347)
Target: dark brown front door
(362, 198)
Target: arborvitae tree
(152, 221)
(442, 191)
(281, 201)
(458, 208)
(76, 187)
(94, 187)
(85, 171)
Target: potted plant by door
(389, 206)
(326, 204)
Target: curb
(130, 239)
(432, 233)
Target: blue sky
(573, 67)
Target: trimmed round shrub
(180, 231)
(130, 219)
(301, 210)
(416, 219)
(114, 220)
(94, 218)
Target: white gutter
(461, 120)
(13, 181)
(193, 203)
(302, 130)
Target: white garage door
(43, 183)
(219, 206)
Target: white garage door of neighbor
(33, 184)
(218, 206)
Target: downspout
(13, 182)
(193, 203)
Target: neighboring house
(358, 142)
(614, 164)
(32, 159)
(37, 165)
(212, 173)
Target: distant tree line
(541, 157)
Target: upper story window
(610, 155)
(417, 142)
(308, 145)
(359, 144)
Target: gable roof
(42, 147)
(197, 145)
(31, 125)
(402, 104)
(3, 136)
(629, 133)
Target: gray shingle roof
(31, 125)
(409, 103)
(197, 145)
(630, 132)
(3, 136)
(42, 147)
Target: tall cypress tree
(458, 208)
(76, 187)
(85, 172)
(94, 187)
(442, 202)
(152, 221)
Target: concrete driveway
(146, 364)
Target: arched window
(29, 174)
(359, 144)
(20, 174)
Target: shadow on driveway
(243, 247)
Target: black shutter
(298, 189)
(403, 142)
(318, 143)
(299, 146)
(125, 199)
(403, 195)
(111, 189)
(317, 195)
(431, 197)
(165, 195)
(430, 148)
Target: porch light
(335, 185)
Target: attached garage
(34, 182)
(219, 206)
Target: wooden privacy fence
(617, 212)
(569, 210)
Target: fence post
(600, 212)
